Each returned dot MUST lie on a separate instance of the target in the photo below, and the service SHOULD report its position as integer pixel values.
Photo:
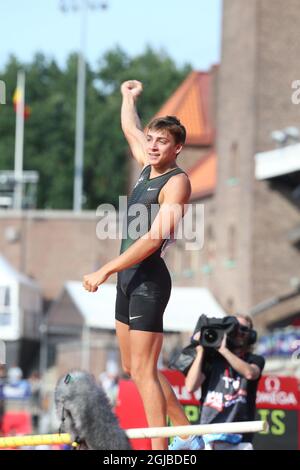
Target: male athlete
(144, 284)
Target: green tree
(107, 152)
(50, 130)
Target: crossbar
(140, 433)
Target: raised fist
(134, 87)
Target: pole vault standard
(141, 433)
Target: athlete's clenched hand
(92, 281)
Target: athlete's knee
(136, 375)
(126, 368)
(127, 371)
(141, 374)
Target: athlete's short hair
(170, 124)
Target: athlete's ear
(178, 148)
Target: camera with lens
(212, 331)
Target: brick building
(54, 246)
(254, 217)
(251, 249)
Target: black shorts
(142, 296)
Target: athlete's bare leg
(123, 335)
(145, 350)
(174, 408)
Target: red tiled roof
(203, 176)
(191, 104)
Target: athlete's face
(161, 147)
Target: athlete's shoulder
(181, 179)
(177, 186)
(146, 167)
(182, 172)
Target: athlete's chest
(147, 192)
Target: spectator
(35, 385)
(109, 380)
(228, 379)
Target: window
(234, 174)
(4, 296)
(230, 261)
(211, 243)
(188, 271)
(209, 251)
(5, 306)
(232, 243)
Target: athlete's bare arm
(175, 194)
(130, 121)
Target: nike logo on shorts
(133, 318)
(152, 189)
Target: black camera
(212, 332)
(213, 329)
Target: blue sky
(188, 30)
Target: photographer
(228, 377)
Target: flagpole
(80, 114)
(19, 140)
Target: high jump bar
(198, 429)
(140, 433)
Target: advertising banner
(278, 402)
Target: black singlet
(143, 290)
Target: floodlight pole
(84, 6)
